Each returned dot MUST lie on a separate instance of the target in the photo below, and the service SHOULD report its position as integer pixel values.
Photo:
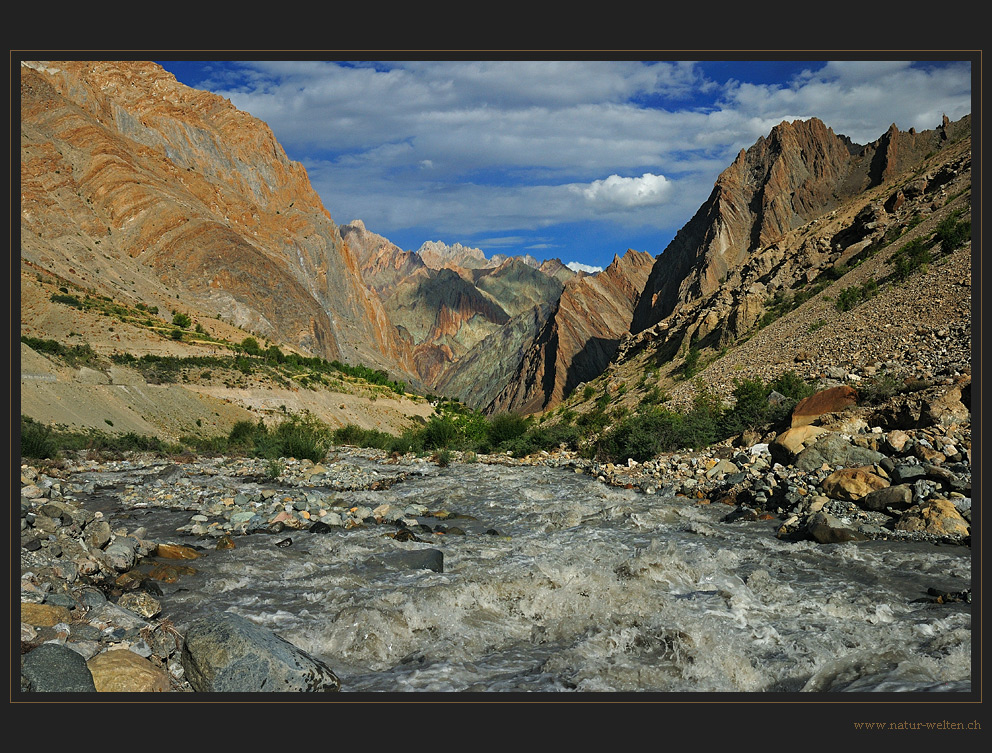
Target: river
(562, 584)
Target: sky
(575, 159)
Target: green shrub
(792, 386)
(37, 440)
(68, 300)
(438, 433)
(181, 320)
(952, 234)
(909, 258)
(851, 296)
(691, 365)
(505, 427)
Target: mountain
(140, 188)
(843, 264)
(580, 338)
(445, 300)
(142, 199)
(800, 172)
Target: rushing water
(563, 584)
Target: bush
(181, 320)
(438, 433)
(911, 257)
(68, 300)
(792, 386)
(691, 365)
(952, 234)
(647, 434)
(505, 427)
(750, 410)
(37, 440)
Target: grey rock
(229, 653)
(906, 473)
(53, 668)
(414, 559)
(835, 450)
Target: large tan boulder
(937, 516)
(123, 671)
(785, 448)
(852, 484)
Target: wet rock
(228, 653)
(414, 559)
(141, 604)
(824, 528)
(176, 552)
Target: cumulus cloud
(617, 193)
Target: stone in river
(228, 653)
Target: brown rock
(123, 671)
(170, 573)
(787, 445)
(852, 484)
(938, 516)
(43, 615)
(176, 552)
(826, 401)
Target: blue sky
(570, 159)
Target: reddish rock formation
(831, 400)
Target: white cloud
(579, 267)
(617, 193)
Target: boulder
(53, 668)
(898, 497)
(788, 445)
(946, 409)
(851, 484)
(43, 615)
(831, 400)
(229, 653)
(836, 450)
(123, 671)
(824, 528)
(938, 517)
